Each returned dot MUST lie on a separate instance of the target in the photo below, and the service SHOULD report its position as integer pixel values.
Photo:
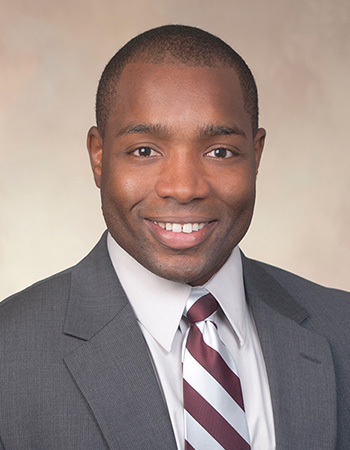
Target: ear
(259, 141)
(94, 145)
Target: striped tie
(213, 403)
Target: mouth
(184, 235)
(181, 227)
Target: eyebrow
(217, 130)
(163, 131)
(156, 129)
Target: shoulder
(55, 289)
(45, 303)
(327, 306)
(296, 283)
(289, 280)
(46, 298)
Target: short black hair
(178, 44)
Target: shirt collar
(159, 303)
(227, 287)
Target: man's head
(174, 44)
(176, 152)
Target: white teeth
(187, 228)
(178, 227)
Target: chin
(185, 277)
(180, 273)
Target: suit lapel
(298, 362)
(112, 368)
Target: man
(91, 358)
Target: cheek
(120, 190)
(132, 188)
(237, 191)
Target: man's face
(177, 168)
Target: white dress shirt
(159, 304)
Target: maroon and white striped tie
(213, 402)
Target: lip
(180, 241)
(181, 219)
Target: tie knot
(204, 307)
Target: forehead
(178, 95)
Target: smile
(181, 227)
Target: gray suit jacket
(75, 372)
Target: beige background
(51, 57)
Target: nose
(183, 178)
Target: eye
(220, 153)
(144, 152)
